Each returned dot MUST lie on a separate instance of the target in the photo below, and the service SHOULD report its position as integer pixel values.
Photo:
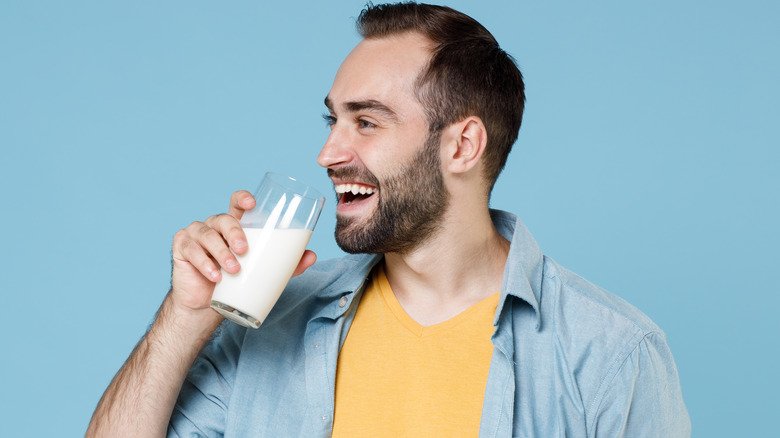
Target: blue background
(647, 162)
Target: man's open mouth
(354, 192)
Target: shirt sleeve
(201, 409)
(644, 398)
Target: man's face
(384, 164)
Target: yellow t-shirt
(396, 378)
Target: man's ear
(465, 142)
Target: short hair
(468, 73)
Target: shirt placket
(323, 339)
(498, 405)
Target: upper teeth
(354, 188)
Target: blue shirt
(569, 359)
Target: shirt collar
(358, 266)
(524, 266)
(522, 275)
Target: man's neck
(460, 265)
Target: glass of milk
(277, 231)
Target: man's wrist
(185, 325)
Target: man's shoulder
(609, 348)
(588, 319)
(577, 295)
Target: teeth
(354, 188)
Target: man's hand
(202, 248)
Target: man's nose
(335, 152)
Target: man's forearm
(140, 398)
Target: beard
(411, 203)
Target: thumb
(307, 259)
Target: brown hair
(468, 73)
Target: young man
(450, 323)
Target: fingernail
(214, 275)
(239, 244)
(230, 263)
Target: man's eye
(329, 120)
(365, 124)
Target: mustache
(354, 173)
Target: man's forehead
(404, 53)
(379, 70)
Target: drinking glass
(277, 232)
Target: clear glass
(277, 230)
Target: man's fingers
(201, 244)
(207, 245)
(307, 260)
(240, 202)
(231, 231)
(212, 241)
(190, 251)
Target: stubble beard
(411, 204)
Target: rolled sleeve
(201, 408)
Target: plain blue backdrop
(647, 162)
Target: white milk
(266, 268)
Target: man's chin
(352, 247)
(349, 236)
(355, 236)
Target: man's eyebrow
(366, 105)
(373, 106)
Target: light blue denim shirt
(569, 359)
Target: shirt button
(343, 301)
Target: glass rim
(300, 187)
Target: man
(450, 323)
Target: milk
(273, 255)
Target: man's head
(468, 74)
(394, 104)
(384, 162)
